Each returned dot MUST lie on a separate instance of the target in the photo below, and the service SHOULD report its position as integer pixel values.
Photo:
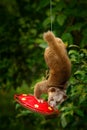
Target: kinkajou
(59, 64)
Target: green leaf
(63, 121)
(79, 112)
(73, 52)
(24, 113)
(60, 5)
(42, 4)
(17, 106)
(61, 19)
(67, 37)
(79, 72)
(46, 22)
(77, 27)
(43, 45)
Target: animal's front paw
(48, 36)
(40, 100)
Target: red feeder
(30, 102)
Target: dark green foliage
(22, 24)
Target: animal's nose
(57, 102)
(52, 104)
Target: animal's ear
(52, 89)
(65, 96)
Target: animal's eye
(52, 89)
(64, 96)
(52, 99)
(57, 102)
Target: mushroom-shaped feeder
(30, 102)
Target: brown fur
(60, 69)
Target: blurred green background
(22, 24)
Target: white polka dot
(36, 105)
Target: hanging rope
(51, 13)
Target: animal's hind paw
(48, 36)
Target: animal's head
(56, 96)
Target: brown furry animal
(60, 69)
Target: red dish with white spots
(30, 102)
